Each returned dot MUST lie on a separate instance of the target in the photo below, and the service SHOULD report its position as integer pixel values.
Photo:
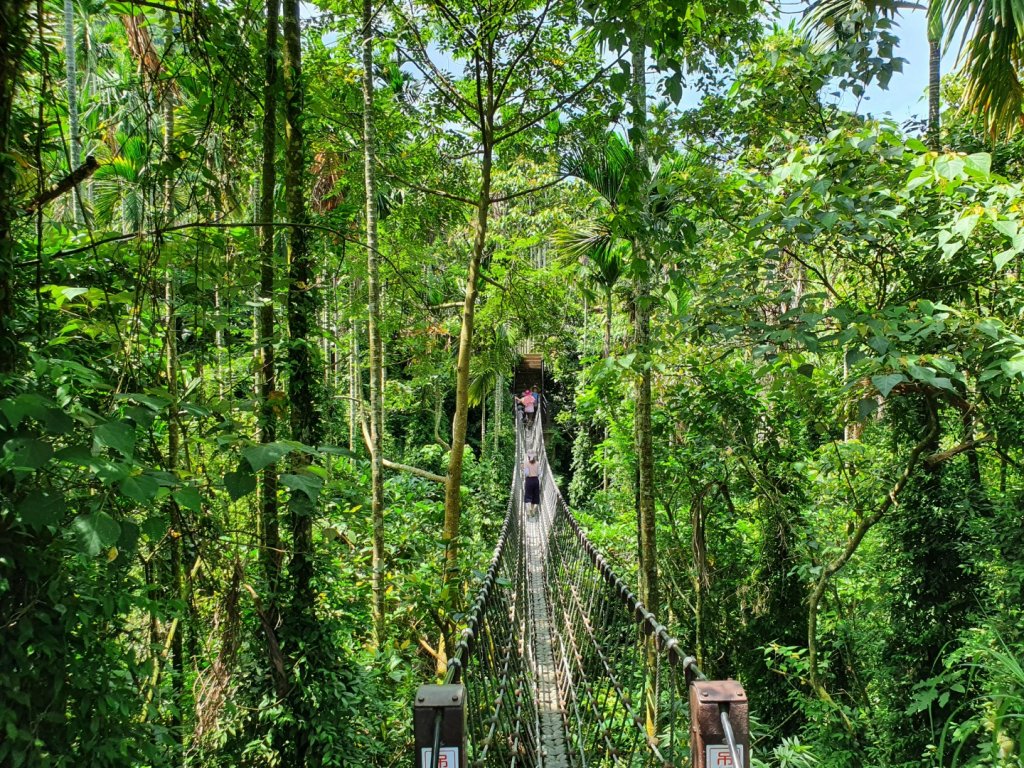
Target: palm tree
(594, 243)
(991, 56)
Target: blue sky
(906, 96)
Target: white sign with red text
(447, 758)
(718, 756)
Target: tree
(13, 43)
(269, 396)
(373, 328)
(513, 87)
(303, 370)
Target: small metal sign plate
(718, 756)
(448, 757)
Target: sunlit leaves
(95, 532)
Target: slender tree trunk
(499, 387)
(269, 525)
(354, 390)
(452, 499)
(642, 408)
(373, 325)
(934, 85)
(641, 340)
(173, 430)
(607, 323)
(13, 44)
(71, 70)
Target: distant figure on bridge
(529, 403)
(531, 495)
(541, 403)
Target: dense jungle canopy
(265, 272)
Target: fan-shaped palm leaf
(587, 241)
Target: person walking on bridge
(529, 403)
(531, 494)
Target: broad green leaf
(40, 510)
(189, 498)
(866, 407)
(306, 484)
(1002, 259)
(921, 373)
(1008, 227)
(140, 488)
(885, 383)
(239, 484)
(262, 456)
(118, 435)
(26, 453)
(978, 165)
(155, 527)
(96, 532)
(1014, 366)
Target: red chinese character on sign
(442, 761)
(724, 758)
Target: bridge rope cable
(622, 676)
(562, 664)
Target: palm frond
(603, 168)
(830, 22)
(481, 385)
(584, 241)
(992, 53)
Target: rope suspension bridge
(560, 665)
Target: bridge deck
(550, 709)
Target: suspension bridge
(560, 665)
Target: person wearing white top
(531, 495)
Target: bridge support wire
(564, 667)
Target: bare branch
(69, 182)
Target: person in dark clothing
(531, 494)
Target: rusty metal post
(719, 725)
(439, 726)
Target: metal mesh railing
(492, 657)
(623, 679)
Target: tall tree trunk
(373, 324)
(300, 626)
(173, 430)
(305, 419)
(71, 70)
(934, 85)
(269, 525)
(13, 44)
(452, 499)
(607, 323)
(641, 340)
(647, 539)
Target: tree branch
(425, 474)
(938, 458)
(532, 121)
(69, 182)
(832, 568)
(180, 227)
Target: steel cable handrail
(625, 678)
(611, 679)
